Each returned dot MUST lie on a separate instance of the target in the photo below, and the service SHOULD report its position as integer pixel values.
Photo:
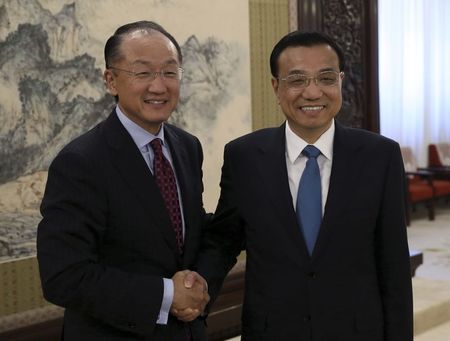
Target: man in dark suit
(324, 229)
(122, 210)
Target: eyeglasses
(298, 81)
(147, 76)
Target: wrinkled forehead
(308, 59)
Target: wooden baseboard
(224, 320)
(48, 331)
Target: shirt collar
(139, 135)
(295, 144)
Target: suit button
(131, 325)
(307, 318)
(312, 275)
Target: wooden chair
(419, 186)
(439, 160)
(420, 181)
(439, 155)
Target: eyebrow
(303, 72)
(147, 63)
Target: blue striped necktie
(309, 198)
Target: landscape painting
(52, 89)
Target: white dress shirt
(296, 161)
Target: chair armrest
(439, 172)
(423, 173)
(435, 168)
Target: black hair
(308, 39)
(112, 46)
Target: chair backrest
(439, 154)
(444, 153)
(408, 159)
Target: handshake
(190, 295)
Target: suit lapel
(180, 157)
(273, 171)
(130, 163)
(343, 172)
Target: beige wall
(269, 20)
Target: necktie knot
(156, 145)
(311, 151)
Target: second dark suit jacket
(105, 241)
(356, 286)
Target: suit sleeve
(392, 255)
(70, 235)
(223, 236)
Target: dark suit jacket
(356, 286)
(105, 241)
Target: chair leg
(430, 206)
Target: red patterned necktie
(165, 179)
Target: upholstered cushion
(420, 192)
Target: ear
(341, 78)
(275, 86)
(110, 82)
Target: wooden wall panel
(353, 24)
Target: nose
(312, 91)
(157, 85)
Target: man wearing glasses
(319, 209)
(122, 210)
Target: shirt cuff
(166, 302)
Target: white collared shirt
(296, 161)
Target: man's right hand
(190, 295)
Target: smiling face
(146, 102)
(310, 110)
